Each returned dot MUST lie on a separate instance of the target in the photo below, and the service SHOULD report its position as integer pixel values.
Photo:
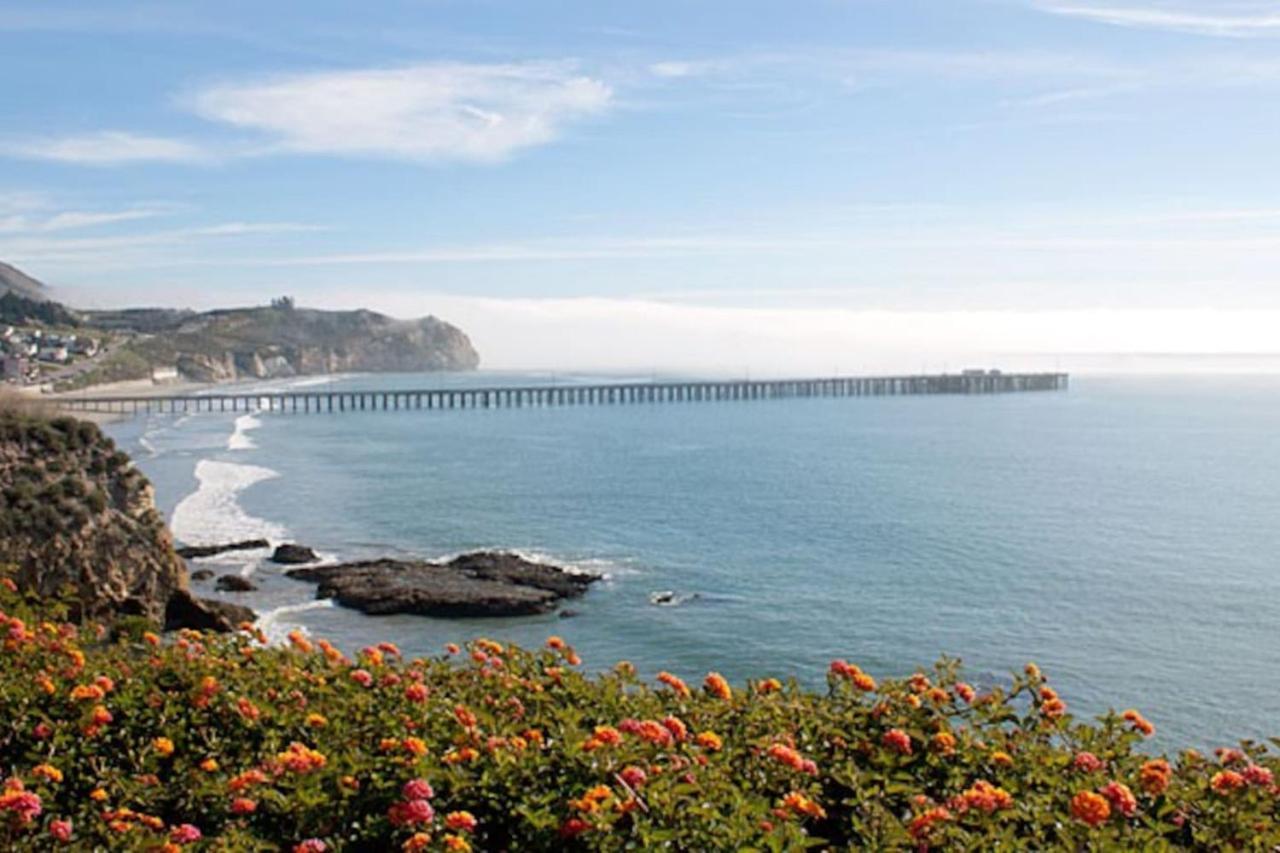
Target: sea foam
(212, 513)
(240, 439)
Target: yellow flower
(316, 721)
(163, 747)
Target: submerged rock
(202, 574)
(293, 555)
(485, 583)
(234, 583)
(193, 552)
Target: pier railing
(533, 396)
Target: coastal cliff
(76, 517)
(282, 341)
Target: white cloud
(431, 112)
(72, 220)
(106, 148)
(1205, 18)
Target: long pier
(534, 396)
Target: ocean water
(1125, 534)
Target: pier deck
(533, 396)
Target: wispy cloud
(73, 219)
(106, 148)
(448, 111)
(1212, 17)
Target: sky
(676, 184)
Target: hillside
(278, 341)
(76, 517)
(14, 280)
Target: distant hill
(277, 341)
(14, 280)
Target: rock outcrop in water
(289, 554)
(76, 518)
(195, 552)
(486, 583)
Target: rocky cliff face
(276, 342)
(77, 517)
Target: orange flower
(316, 721)
(801, 805)
(47, 771)
(247, 779)
(98, 795)
(943, 743)
(898, 741)
(460, 821)
(1155, 776)
(717, 686)
(964, 691)
(86, 693)
(465, 718)
(163, 747)
(1139, 722)
(1120, 797)
(209, 765)
(1225, 782)
(709, 741)
(243, 806)
(922, 825)
(457, 844)
(679, 731)
(100, 716)
(416, 692)
(300, 759)
(676, 684)
(414, 746)
(1001, 758)
(416, 843)
(767, 686)
(984, 797)
(593, 800)
(555, 643)
(1090, 808)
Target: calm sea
(1125, 535)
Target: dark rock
(186, 611)
(234, 583)
(568, 614)
(202, 574)
(293, 555)
(193, 552)
(485, 583)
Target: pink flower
(634, 776)
(1086, 762)
(185, 834)
(417, 789)
(1255, 774)
(897, 740)
(362, 677)
(311, 845)
(411, 812)
(60, 829)
(416, 692)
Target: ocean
(1124, 535)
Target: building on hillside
(83, 346)
(53, 353)
(162, 375)
(16, 368)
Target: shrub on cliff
(222, 743)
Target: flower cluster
(144, 742)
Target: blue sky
(815, 180)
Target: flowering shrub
(205, 742)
